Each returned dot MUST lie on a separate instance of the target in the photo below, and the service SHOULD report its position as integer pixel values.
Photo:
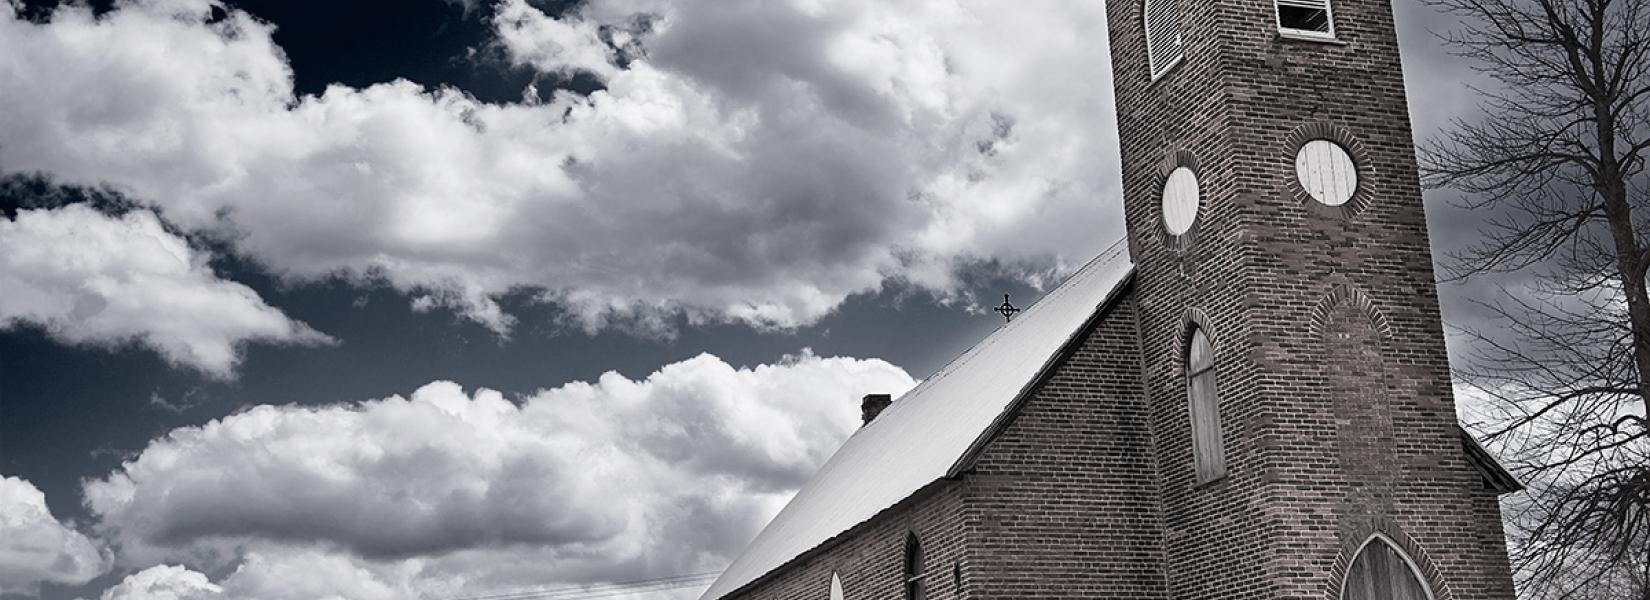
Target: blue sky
(554, 292)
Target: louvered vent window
(1306, 17)
(1163, 41)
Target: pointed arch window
(1382, 572)
(1163, 40)
(836, 587)
(914, 589)
(1203, 395)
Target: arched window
(1203, 394)
(1381, 572)
(913, 569)
(1163, 41)
(836, 587)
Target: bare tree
(1557, 166)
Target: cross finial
(1007, 309)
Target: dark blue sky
(69, 413)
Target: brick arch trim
(1385, 529)
(1349, 295)
(1195, 319)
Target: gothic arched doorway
(1381, 572)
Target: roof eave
(921, 494)
(1495, 475)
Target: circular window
(1326, 172)
(1180, 201)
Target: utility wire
(576, 591)
(592, 592)
(621, 592)
(603, 590)
(599, 589)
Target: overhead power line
(603, 590)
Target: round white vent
(1326, 172)
(1181, 197)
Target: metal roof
(932, 428)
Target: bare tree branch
(1557, 170)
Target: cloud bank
(88, 278)
(36, 548)
(747, 161)
(448, 491)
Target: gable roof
(932, 428)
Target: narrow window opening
(913, 569)
(1203, 393)
(836, 587)
(1306, 17)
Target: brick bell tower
(1307, 441)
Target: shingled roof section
(918, 439)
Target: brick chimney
(872, 406)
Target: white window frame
(1307, 34)
(1179, 42)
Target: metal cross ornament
(1007, 309)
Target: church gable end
(1066, 493)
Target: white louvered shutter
(1163, 42)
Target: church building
(1248, 398)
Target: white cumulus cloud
(164, 582)
(36, 548)
(451, 491)
(90, 278)
(750, 161)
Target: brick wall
(1067, 494)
